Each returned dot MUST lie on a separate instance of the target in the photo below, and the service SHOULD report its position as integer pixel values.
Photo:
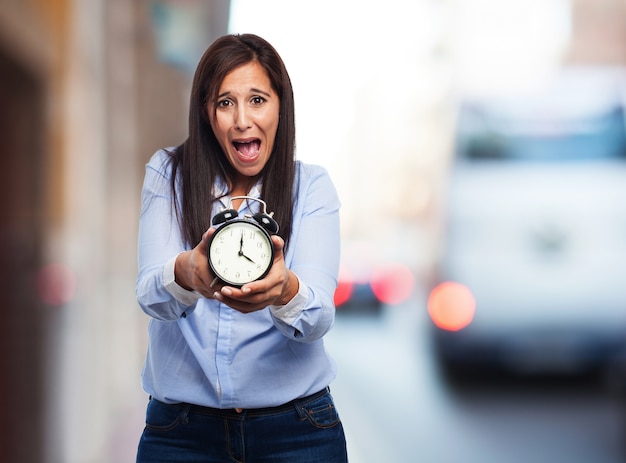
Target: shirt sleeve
(289, 312)
(313, 255)
(184, 296)
(159, 243)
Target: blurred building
(89, 89)
(85, 98)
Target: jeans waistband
(256, 411)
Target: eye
(257, 100)
(224, 103)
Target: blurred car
(367, 282)
(532, 271)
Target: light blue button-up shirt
(203, 352)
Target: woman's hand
(192, 270)
(278, 287)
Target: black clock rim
(247, 222)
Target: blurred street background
(90, 89)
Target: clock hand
(242, 254)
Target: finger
(244, 297)
(240, 306)
(279, 243)
(204, 242)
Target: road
(395, 408)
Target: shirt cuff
(182, 295)
(289, 312)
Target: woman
(238, 374)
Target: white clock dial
(240, 251)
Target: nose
(242, 119)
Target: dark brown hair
(200, 161)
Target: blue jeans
(307, 430)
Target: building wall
(76, 132)
(29, 52)
(21, 364)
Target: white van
(535, 231)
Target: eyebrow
(252, 90)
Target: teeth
(247, 148)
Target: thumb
(279, 244)
(206, 236)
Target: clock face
(240, 251)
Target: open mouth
(248, 149)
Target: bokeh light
(56, 284)
(392, 283)
(451, 306)
(344, 288)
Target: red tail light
(451, 306)
(393, 283)
(344, 288)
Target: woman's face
(245, 119)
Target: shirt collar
(220, 189)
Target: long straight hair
(199, 161)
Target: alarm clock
(241, 249)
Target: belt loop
(299, 409)
(184, 416)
